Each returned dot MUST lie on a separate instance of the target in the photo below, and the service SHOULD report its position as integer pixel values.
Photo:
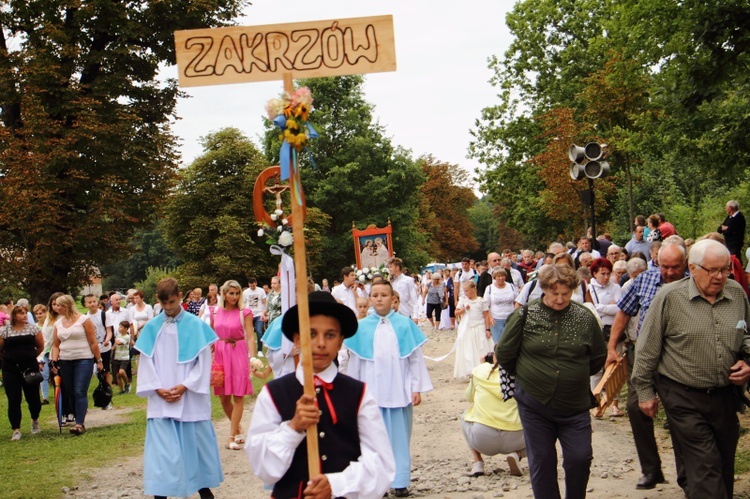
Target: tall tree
(86, 149)
(209, 221)
(447, 221)
(359, 175)
(149, 250)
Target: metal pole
(593, 217)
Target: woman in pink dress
(231, 323)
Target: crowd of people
(534, 332)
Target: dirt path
(440, 458)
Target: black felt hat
(321, 303)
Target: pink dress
(233, 356)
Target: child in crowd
(355, 460)
(362, 305)
(121, 357)
(395, 301)
(181, 455)
(386, 354)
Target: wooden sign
(307, 50)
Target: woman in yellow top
(491, 425)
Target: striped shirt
(690, 340)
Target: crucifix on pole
(285, 51)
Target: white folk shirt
(163, 371)
(271, 444)
(407, 293)
(391, 379)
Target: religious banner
(373, 246)
(307, 50)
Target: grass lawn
(40, 465)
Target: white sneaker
(260, 354)
(35, 427)
(16, 435)
(108, 408)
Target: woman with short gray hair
(553, 346)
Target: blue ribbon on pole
(288, 154)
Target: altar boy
(181, 455)
(386, 353)
(355, 461)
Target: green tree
(209, 220)
(150, 250)
(359, 176)
(87, 151)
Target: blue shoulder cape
(272, 336)
(409, 336)
(193, 335)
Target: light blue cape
(273, 334)
(409, 336)
(193, 335)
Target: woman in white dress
(500, 297)
(474, 339)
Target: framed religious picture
(373, 246)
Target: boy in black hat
(356, 461)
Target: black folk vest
(338, 444)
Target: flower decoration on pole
(290, 113)
(280, 234)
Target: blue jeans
(76, 376)
(497, 330)
(258, 326)
(542, 427)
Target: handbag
(103, 392)
(217, 375)
(32, 376)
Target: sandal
(77, 430)
(239, 439)
(616, 412)
(232, 446)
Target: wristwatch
(488, 329)
(99, 360)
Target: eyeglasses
(714, 272)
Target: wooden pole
(303, 309)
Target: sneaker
(35, 427)
(127, 388)
(16, 435)
(45, 402)
(477, 469)
(108, 408)
(260, 354)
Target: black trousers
(642, 426)
(707, 428)
(14, 387)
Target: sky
(428, 105)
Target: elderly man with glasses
(693, 351)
